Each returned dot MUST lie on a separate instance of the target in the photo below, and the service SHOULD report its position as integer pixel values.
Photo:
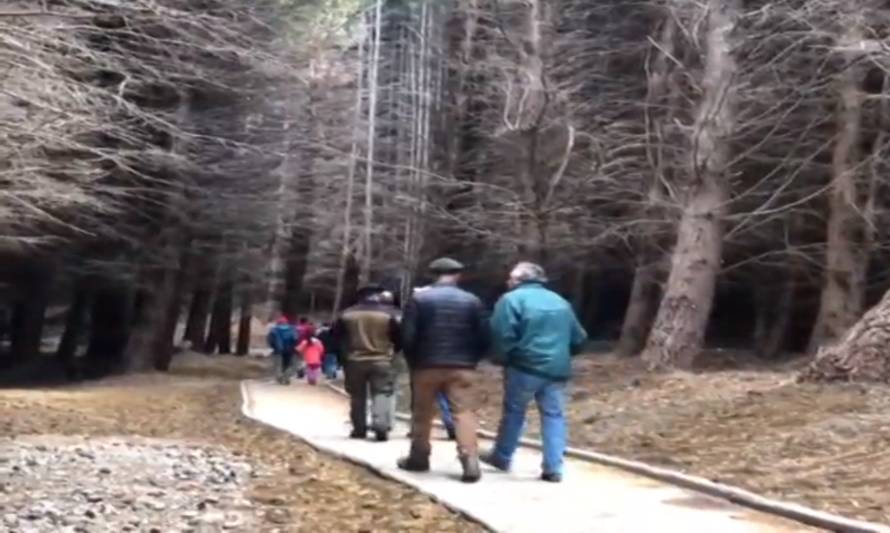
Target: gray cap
(446, 265)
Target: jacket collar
(529, 283)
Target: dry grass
(827, 446)
(200, 402)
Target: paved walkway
(592, 498)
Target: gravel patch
(80, 485)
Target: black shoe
(413, 464)
(452, 435)
(356, 434)
(551, 477)
(381, 436)
(471, 469)
(491, 460)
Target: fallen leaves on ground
(199, 402)
(742, 423)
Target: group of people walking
(444, 333)
(316, 350)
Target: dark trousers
(455, 384)
(284, 365)
(376, 376)
(329, 365)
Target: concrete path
(592, 498)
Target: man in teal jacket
(535, 334)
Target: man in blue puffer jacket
(444, 335)
(535, 334)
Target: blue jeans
(519, 389)
(442, 400)
(329, 365)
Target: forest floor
(173, 453)
(742, 423)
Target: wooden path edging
(792, 511)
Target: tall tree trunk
(641, 309)
(297, 262)
(199, 313)
(244, 323)
(29, 315)
(219, 337)
(347, 256)
(164, 343)
(678, 333)
(149, 343)
(660, 109)
(846, 259)
(275, 271)
(75, 324)
(368, 234)
(532, 105)
(301, 232)
(110, 320)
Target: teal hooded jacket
(535, 330)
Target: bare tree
(678, 332)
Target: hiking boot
(470, 465)
(358, 434)
(381, 435)
(414, 464)
(551, 477)
(493, 460)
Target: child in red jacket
(312, 351)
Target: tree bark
(297, 262)
(301, 232)
(110, 320)
(641, 309)
(75, 324)
(163, 342)
(219, 337)
(146, 347)
(846, 260)
(863, 354)
(678, 333)
(244, 323)
(660, 108)
(199, 313)
(347, 255)
(368, 232)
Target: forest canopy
(689, 172)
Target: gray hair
(526, 271)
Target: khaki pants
(360, 376)
(456, 383)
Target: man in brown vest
(367, 335)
